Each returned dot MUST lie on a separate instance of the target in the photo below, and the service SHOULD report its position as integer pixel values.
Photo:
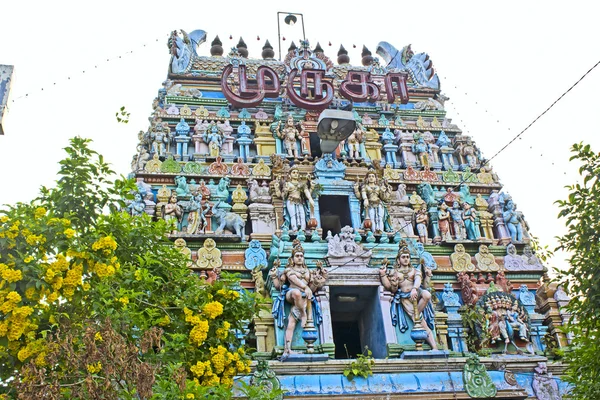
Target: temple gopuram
(347, 198)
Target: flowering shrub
(95, 302)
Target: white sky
(511, 58)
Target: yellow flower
(13, 297)
(69, 233)
(30, 292)
(124, 300)
(190, 396)
(98, 337)
(12, 275)
(49, 275)
(28, 259)
(86, 286)
(4, 218)
(106, 242)
(164, 321)
(213, 309)
(39, 212)
(138, 275)
(94, 368)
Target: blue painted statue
(255, 255)
(511, 219)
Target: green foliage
(122, 115)
(362, 366)
(474, 320)
(95, 303)
(582, 278)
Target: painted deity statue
(213, 137)
(354, 141)
(295, 196)
(195, 210)
(511, 219)
(405, 282)
(297, 285)
(289, 134)
(375, 196)
(421, 150)
(172, 212)
(458, 222)
(422, 220)
(160, 138)
(137, 206)
(444, 221)
(468, 216)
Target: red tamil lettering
(323, 90)
(251, 95)
(395, 84)
(358, 87)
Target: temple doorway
(356, 321)
(334, 212)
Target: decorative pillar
(385, 301)
(326, 327)
(264, 329)
(441, 329)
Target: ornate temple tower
(401, 239)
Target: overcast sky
(500, 63)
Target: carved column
(549, 309)
(264, 330)
(441, 329)
(326, 327)
(385, 301)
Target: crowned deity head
(297, 258)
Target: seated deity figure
(289, 134)
(404, 281)
(375, 196)
(295, 196)
(516, 323)
(297, 285)
(511, 219)
(137, 206)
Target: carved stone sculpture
(297, 285)
(209, 256)
(289, 135)
(513, 261)
(181, 246)
(544, 385)
(255, 255)
(477, 381)
(460, 259)
(410, 299)
(486, 260)
(228, 220)
(343, 250)
(375, 196)
(296, 196)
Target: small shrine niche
(334, 212)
